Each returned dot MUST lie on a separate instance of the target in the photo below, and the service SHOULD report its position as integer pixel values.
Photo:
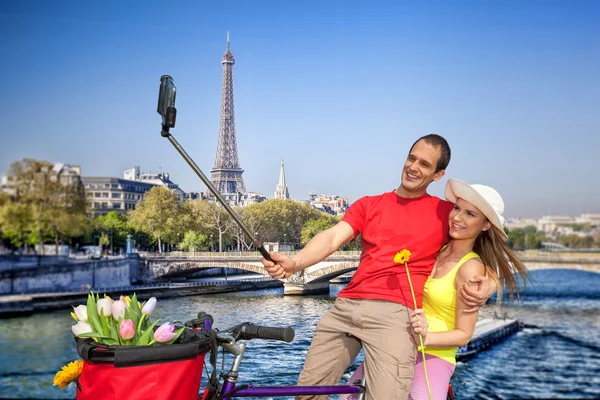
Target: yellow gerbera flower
(69, 373)
(402, 257)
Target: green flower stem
(139, 327)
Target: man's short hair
(437, 141)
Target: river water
(556, 355)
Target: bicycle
(232, 341)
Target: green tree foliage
(277, 219)
(158, 215)
(527, 238)
(208, 218)
(16, 222)
(104, 239)
(196, 216)
(576, 241)
(115, 226)
(194, 241)
(313, 226)
(46, 204)
(531, 241)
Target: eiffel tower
(226, 174)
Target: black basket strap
(132, 356)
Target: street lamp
(211, 245)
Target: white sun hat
(485, 198)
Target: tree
(194, 241)
(67, 218)
(576, 241)
(16, 222)
(196, 216)
(51, 201)
(219, 220)
(115, 226)
(313, 226)
(157, 214)
(104, 240)
(277, 219)
(531, 241)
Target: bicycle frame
(230, 379)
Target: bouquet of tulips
(121, 322)
(106, 326)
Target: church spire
(281, 192)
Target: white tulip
(81, 327)
(149, 306)
(81, 313)
(104, 306)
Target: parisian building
(334, 205)
(107, 194)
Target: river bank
(26, 304)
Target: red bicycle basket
(158, 372)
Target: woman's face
(466, 221)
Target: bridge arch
(156, 269)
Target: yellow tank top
(439, 304)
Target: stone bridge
(316, 279)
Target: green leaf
(148, 333)
(114, 333)
(94, 335)
(105, 323)
(92, 312)
(136, 312)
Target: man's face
(419, 168)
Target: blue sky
(338, 89)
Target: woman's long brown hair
(501, 262)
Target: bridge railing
(157, 285)
(232, 254)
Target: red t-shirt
(390, 223)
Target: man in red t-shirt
(373, 311)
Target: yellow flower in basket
(69, 373)
(402, 257)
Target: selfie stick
(166, 108)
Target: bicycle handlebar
(249, 331)
(245, 331)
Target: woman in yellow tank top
(477, 247)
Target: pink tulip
(127, 329)
(164, 333)
(118, 309)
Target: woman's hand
(419, 325)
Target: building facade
(157, 179)
(334, 205)
(107, 194)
